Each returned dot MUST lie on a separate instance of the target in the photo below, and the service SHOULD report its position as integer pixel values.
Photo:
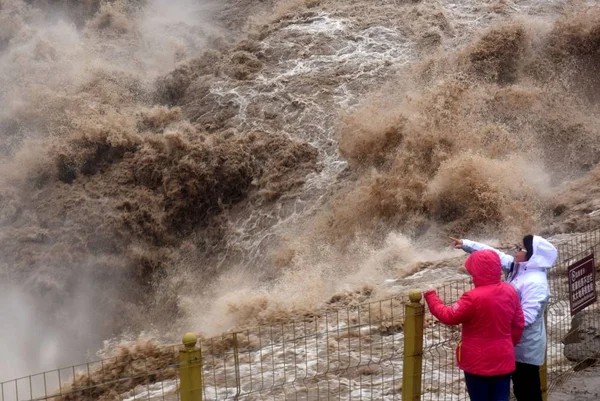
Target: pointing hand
(457, 243)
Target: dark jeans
(526, 382)
(488, 388)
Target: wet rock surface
(582, 344)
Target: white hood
(544, 253)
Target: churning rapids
(176, 165)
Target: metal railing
(389, 349)
(145, 367)
(351, 353)
(570, 344)
(442, 380)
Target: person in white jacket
(527, 272)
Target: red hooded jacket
(491, 318)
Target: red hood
(485, 268)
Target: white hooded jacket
(529, 278)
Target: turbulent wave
(480, 138)
(102, 188)
(176, 165)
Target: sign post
(582, 284)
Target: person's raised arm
(469, 246)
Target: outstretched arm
(469, 246)
(462, 311)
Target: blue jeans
(488, 388)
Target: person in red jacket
(492, 324)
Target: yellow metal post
(544, 367)
(190, 369)
(414, 317)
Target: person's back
(487, 338)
